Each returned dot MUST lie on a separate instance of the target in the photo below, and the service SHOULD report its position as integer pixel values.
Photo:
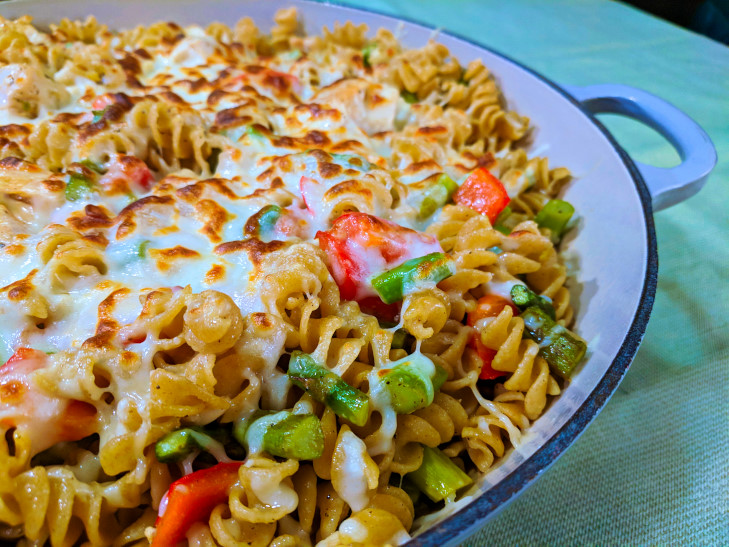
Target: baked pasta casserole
(264, 288)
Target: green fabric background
(653, 468)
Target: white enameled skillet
(612, 252)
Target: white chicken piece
(25, 89)
(369, 105)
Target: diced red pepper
(102, 101)
(489, 305)
(311, 192)
(24, 354)
(484, 193)
(191, 499)
(47, 419)
(373, 305)
(127, 174)
(359, 246)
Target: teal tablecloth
(653, 468)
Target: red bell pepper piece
(312, 193)
(191, 499)
(373, 305)
(47, 419)
(127, 174)
(490, 305)
(484, 193)
(359, 246)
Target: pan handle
(668, 186)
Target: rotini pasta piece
(371, 526)
(348, 35)
(68, 256)
(287, 25)
(166, 136)
(57, 507)
(150, 36)
(265, 493)
(332, 511)
(425, 313)
(229, 531)
(89, 31)
(395, 501)
(213, 322)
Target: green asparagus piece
(95, 167)
(98, 115)
(438, 477)
(142, 249)
(437, 195)
(555, 215)
(282, 434)
(411, 490)
(366, 53)
(352, 160)
(263, 222)
(440, 378)
(409, 383)
(557, 345)
(393, 284)
(523, 297)
(298, 436)
(408, 391)
(77, 187)
(409, 96)
(253, 131)
(328, 388)
(177, 445)
(401, 338)
(499, 224)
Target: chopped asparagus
(410, 383)
(408, 96)
(367, 53)
(438, 477)
(557, 345)
(440, 377)
(393, 284)
(298, 436)
(401, 338)
(523, 297)
(436, 196)
(282, 434)
(328, 388)
(95, 167)
(179, 444)
(142, 249)
(499, 224)
(555, 215)
(77, 187)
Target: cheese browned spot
(21, 288)
(93, 216)
(106, 322)
(348, 187)
(165, 258)
(255, 248)
(215, 274)
(127, 216)
(213, 216)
